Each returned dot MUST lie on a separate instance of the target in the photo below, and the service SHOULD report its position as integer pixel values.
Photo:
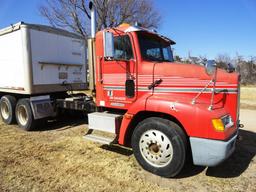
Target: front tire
(7, 109)
(160, 146)
(24, 115)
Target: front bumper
(207, 152)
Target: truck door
(119, 75)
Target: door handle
(154, 84)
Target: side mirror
(108, 40)
(230, 68)
(210, 67)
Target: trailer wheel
(24, 115)
(159, 146)
(7, 109)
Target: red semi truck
(165, 111)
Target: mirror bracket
(211, 69)
(213, 89)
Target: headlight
(227, 121)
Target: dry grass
(248, 97)
(59, 159)
(248, 93)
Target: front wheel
(159, 146)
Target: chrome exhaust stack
(91, 50)
(93, 19)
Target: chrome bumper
(207, 152)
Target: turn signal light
(128, 116)
(218, 125)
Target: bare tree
(223, 60)
(74, 14)
(203, 59)
(178, 59)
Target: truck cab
(164, 110)
(168, 110)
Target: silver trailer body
(37, 59)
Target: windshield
(153, 48)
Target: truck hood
(187, 83)
(180, 74)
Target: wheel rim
(22, 115)
(156, 148)
(5, 110)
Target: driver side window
(154, 53)
(122, 48)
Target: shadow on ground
(118, 149)
(235, 165)
(62, 122)
(240, 160)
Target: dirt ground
(59, 159)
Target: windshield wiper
(166, 60)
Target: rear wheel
(7, 109)
(24, 115)
(159, 146)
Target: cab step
(104, 121)
(103, 127)
(99, 139)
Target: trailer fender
(41, 107)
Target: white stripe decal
(167, 80)
(186, 83)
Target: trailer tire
(160, 146)
(7, 109)
(24, 115)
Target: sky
(199, 27)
